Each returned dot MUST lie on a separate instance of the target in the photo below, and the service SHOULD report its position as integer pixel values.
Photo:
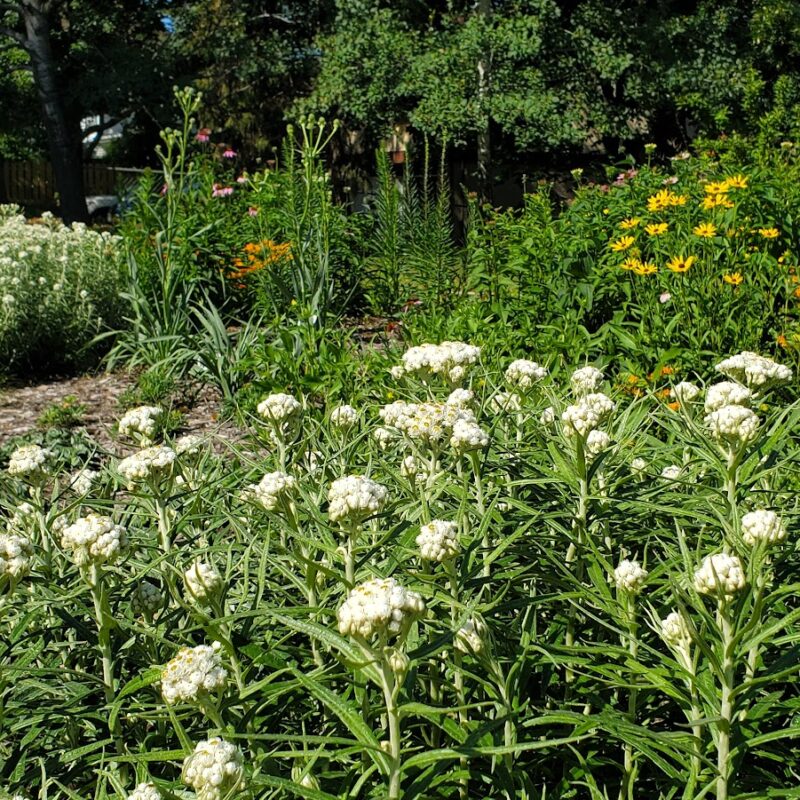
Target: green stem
(390, 692)
(629, 772)
(726, 701)
(480, 508)
(458, 675)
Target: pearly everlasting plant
(343, 417)
(381, 608)
(16, 554)
(189, 445)
(193, 674)
(762, 526)
(468, 436)
(726, 393)
(448, 360)
(29, 462)
(94, 540)
(279, 408)
(721, 575)
(202, 581)
(684, 392)
(460, 397)
(630, 576)
(524, 374)
(586, 380)
(591, 411)
(215, 770)
(145, 791)
(147, 598)
(274, 489)
(754, 371)
(149, 463)
(471, 637)
(354, 498)
(675, 631)
(82, 481)
(438, 541)
(141, 423)
(733, 427)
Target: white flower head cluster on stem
(344, 417)
(524, 374)
(438, 541)
(274, 489)
(145, 791)
(354, 498)
(380, 607)
(279, 407)
(675, 631)
(384, 437)
(410, 467)
(547, 417)
(471, 636)
(193, 674)
(202, 580)
(149, 462)
(505, 403)
(29, 462)
(468, 436)
(630, 576)
(82, 481)
(460, 397)
(685, 391)
(639, 466)
(215, 770)
(94, 539)
(23, 518)
(672, 472)
(448, 360)
(16, 553)
(755, 371)
(720, 574)
(141, 423)
(147, 598)
(591, 411)
(726, 393)
(424, 422)
(733, 426)
(762, 526)
(189, 445)
(596, 443)
(586, 380)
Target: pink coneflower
(219, 190)
(242, 179)
(228, 153)
(664, 297)
(252, 211)
(203, 135)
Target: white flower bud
(762, 526)
(471, 637)
(29, 462)
(140, 423)
(720, 574)
(355, 497)
(145, 791)
(193, 674)
(273, 489)
(586, 380)
(438, 541)
(147, 598)
(524, 374)
(380, 607)
(630, 576)
(150, 462)
(755, 371)
(684, 392)
(344, 417)
(16, 553)
(726, 393)
(548, 417)
(94, 539)
(675, 631)
(468, 436)
(82, 481)
(460, 397)
(596, 443)
(202, 581)
(733, 426)
(215, 770)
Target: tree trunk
(65, 149)
(484, 134)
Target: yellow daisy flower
(705, 229)
(623, 243)
(656, 228)
(631, 264)
(733, 278)
(645, 268)
(715, 201)
(716, 187)
(659, 201)
(631, 222)
(737, 182)
(769, 233)
(681, 264)
(678, 199)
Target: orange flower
(674, 405)
(782, 341)
(667, 370)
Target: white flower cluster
(427, 422)
(524, 374)
(638, 466)
(279, 407)
(147, 598)
(344, 417)
(586, 380)
(449, 360)
(150, 462)
(140, 423)
(189, 445)
(82, 481)
(587, 414)
(381, 607)
(94, 539)
(410, 467)
(471, 636)
(548, 417)
(438, 541)
(192, 674)
(145, 791)
(733, 426)
(596, 443)
(355, 498)
(16, 553)
(384, 437)
(28, 461)
(215, 770)
(726, 393)
(762, 526)
(630, 576)
(460, 397)
(273, 489)
(720, 574)
(684, 392)
(755, 371)
(202, 580)
(675, 631)
(467, 436)
(672, 472)
(505, 403)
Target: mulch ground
(21, 407)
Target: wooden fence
(31, 183)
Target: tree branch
(15, 35)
